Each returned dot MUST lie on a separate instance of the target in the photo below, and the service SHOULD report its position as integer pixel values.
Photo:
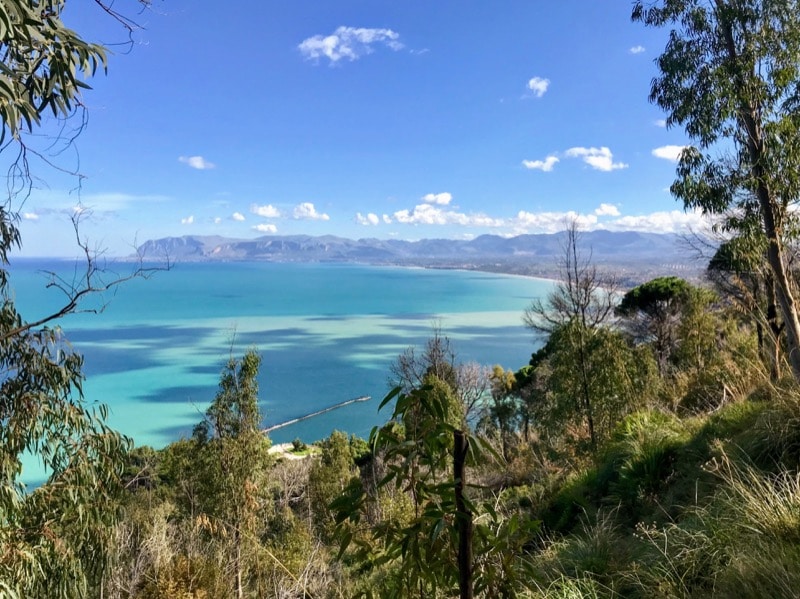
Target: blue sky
(368, 118)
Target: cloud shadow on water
(200, 395)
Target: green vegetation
(650, 448)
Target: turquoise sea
(326, 333)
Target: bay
(327, 333)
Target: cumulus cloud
(549, 222)
(349, 43)
(307, 211)
(197, 162)
(538, 85)
(217, 220)
(387, 219)
(440, 199)
(188, 220)
(369, 219)
(637, 50)
(600, 159)
(607, 210)
(545, 165)
(672, 221)
(428, 214)
(265, 228)
(238, 216)
(266, 211)
(671, 153)
(30, 216)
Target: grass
(704, 506)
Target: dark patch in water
(200, 395)
(150, 334)
(109, 360)
(177, 432)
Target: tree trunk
(769, 205)
(463, 516)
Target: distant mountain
(605, 245)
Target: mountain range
(633, 254)
(604, 245)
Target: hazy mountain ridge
(605, 245)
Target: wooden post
(463, 516)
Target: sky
(359, 118)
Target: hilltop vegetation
(650, 448)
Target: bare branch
(90, 280)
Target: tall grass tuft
(640, 457)
(775, 437)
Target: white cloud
(549, 222)
(238, 216)
(660, 123)
(538, 86)
(306, 211)
(637, 50)
(30, 216)
(188, 220)
(217, 220)
(599, 159)
(545, 165)
(440, 199)
(349, 43)
(607, 210)
(197, 162)
(671, 153)
(265, 228)
(267, 211)
(387, 219)
(673, 221)
(428, 214)
(369, 219)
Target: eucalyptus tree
(52, 536)
(730, 76)
(234, 454)
(738, 272)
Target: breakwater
(317, 413)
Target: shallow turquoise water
(326, 333)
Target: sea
(154, 348)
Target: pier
(317, 413)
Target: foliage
(581, 304)
(652, 313)
(730, 75)
(53, 536)
(617, 378)
(236, 458)
(415, 553)
(328, 477)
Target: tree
(582, 302)
(652, 313)
(730, 75)
(437, 358)
(53, 537)
(617, 382)
(231, 437)
(328, 477)
(503, 411)
(738, 272)
(423, 553)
